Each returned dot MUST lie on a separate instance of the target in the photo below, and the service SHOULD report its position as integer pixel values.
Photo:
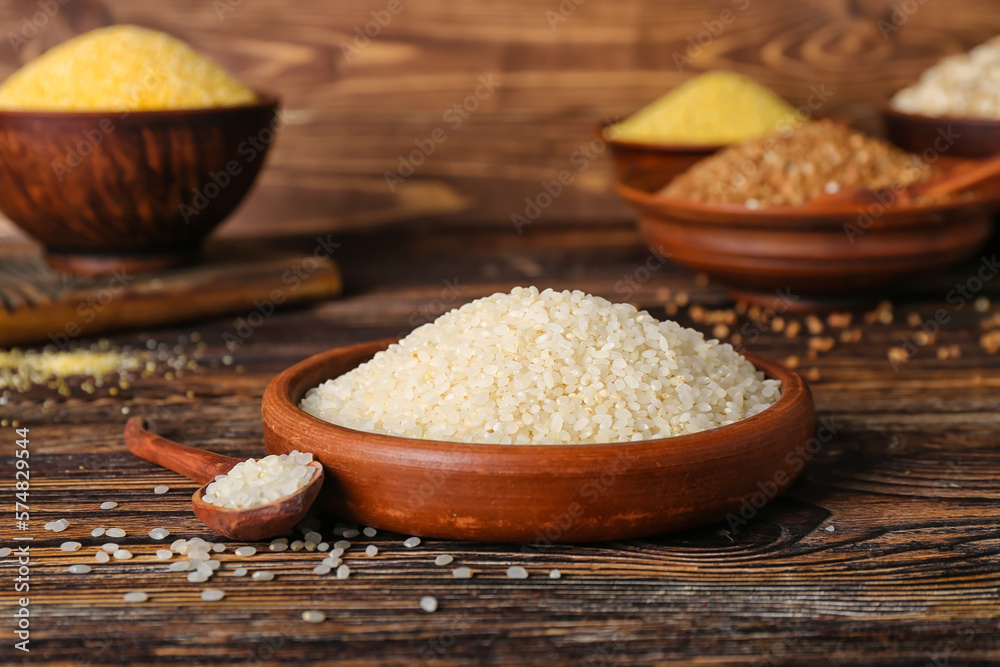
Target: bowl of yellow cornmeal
(694, 120)
(123, 148)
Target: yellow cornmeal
(121, 68)
(711, 109)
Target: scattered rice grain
(212, 594)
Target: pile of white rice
(253, 483)
(546, 368)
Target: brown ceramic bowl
(134, 191)
(794, 258)
(540, 494)
(662, 161)
(932, 136)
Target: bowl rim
(602, 131)
(264, 101)
(887, 109)
(795, 395)
(792, 216)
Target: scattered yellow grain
(898, 354)
(821, 343)
(990, 341)
(814, 324)
(839, 320)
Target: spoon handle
(962, 178)
(196, 464)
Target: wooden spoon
(246, 525)
(975, 172)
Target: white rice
(254, 483)
(547, 367)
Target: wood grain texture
(352, 119)
(910, 574)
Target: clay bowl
(931, 136)
(800, 258)
(539, 494)
(663, 161)
(131, 191)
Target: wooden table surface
(886, 551)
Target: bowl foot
(99, 264)
(800, 304)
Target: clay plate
(801, 258)
(539, 494)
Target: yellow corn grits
(713, 109)
(122, 68)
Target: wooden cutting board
(38, 305)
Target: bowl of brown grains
(812, 217)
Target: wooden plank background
(562, 66)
